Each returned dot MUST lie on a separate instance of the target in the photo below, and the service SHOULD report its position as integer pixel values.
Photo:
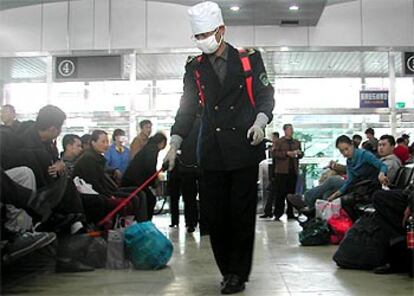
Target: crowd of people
(38, 183)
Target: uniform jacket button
(241, 85)
(233, 128)
(218, 129)
(216, 108)
(231, 107)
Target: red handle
(128, 199)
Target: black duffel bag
(364, 246)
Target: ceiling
(252, 12)
(278, 64)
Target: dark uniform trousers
(187, 185)
(284, 184)
(231, 208)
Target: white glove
(256, 132)
(175, 144)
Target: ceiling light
(235, 8)
(284, 48)
(294, 8)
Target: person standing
(141, 139)
(287, 153)
(270, 200)
(237, 105)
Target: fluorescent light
(294, 8)
(235, 8)
(284, 48)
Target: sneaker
(296, 201)
(26, 243)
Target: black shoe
(190, 229)
(233, 285)
(69, 265)
(224, 281)
(266, 216)
(384, 269)
(291, 217)
(173, 225)
(26, 243)
(276, 219)
(204, 233)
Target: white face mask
(209, 45)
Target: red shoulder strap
(198, 82)
(247, 68)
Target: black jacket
(141, 167)
(91, 168)
(227, 114)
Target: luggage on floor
(84, 248)
(315, 233)
(146, 246)
(339, 225)
(116, 258)
(364, 245)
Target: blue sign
(373, 99)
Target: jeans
(331, 185)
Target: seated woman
(91, 168)
(360, 165)
(143, 166)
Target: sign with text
(88, 68)
(373, 99)
(409, 63)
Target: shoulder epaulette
(191, 59)
(251, 51)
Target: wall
(136, 24)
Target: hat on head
(205, 17)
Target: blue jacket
(363, 165)
(117, 160)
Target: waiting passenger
(357, 140)
(91, 168)
(117, 156)
(72, 148)
(361, 165)
(370, 133)
(8, 117)
(86, 142)
(141, 139)
(143, 166)
(386, 147)
(287, 153)
(402, 150)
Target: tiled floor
(281, 267)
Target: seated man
(386, 147)
(117, 156)
(35, 148)
(72, 148)
(143, 166)
(91, 168)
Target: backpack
(364, 245)
(247, 68)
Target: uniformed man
(237, 105)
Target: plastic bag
(83, 187)
(339, 224)
(325, 209)
(116, 250)
(146, 246)
(83, 248)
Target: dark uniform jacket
(227, 114)
(91, 168)
(285, 164)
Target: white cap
(205, 17)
